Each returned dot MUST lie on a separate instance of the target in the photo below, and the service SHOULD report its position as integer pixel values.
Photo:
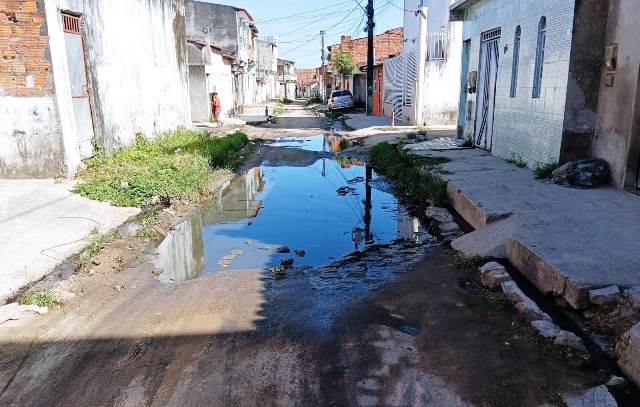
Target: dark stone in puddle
(342, 191)
(300, 252)
(355, 255)
(286, 263)
(372, 248)
(283, 249)
(356, 180)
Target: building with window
(288, 79)
(536, 84)
(74, 82)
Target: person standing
(217, 109)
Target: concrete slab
(566, 241)
(41, 224)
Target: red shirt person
(217, 108)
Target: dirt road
(401, 325)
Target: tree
(344, 64)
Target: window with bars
(537, 74)
(516, 62)
(70, 23)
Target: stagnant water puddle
(282, 215)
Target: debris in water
(276, 270)
(356, 180)
(300, 252)
(283, 249)
(342, 191)
(286, 263)
(248, 242)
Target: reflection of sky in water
(299, 209)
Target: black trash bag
(588, 173)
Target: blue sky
(297, 23)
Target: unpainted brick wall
(24, 67)
(387, 44)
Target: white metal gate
(487, 78)
(79, 84)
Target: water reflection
(277, 214)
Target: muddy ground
(421, 333)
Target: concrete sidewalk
(41, 224)
(566, 241)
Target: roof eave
(457, 10)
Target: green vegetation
(468, 263)
(287, 101)
(174, 166)
(87, 257)
(468, 142)
(279, 109)
(314, 100)
(498, 301)
(344, 64)
(516, 160)
(408, 170)
(41, 298)
(545, 170)
(146, 220)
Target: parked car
(340, 99)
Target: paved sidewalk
(564, 240)
(41, 224)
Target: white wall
(136, 55)
(221, 80)
(528, 127)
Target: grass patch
(516, 160)
(174, 166)
(468, 263)
(88, 256)
(279, 109)
(408, 168)
(41, 298)
(316, 100)
(498, 301)
(146, 220)
(545, 170)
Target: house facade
(267, 69)
(231, 29)
(73, 82)
(533, 77)
(287, 78)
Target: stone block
(492, 266)
(546, 329)
(513, 292)
(606, 295)
(530, 310)
(594, 397)
(493, 279)
(570, 340)
(628, 352)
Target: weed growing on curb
(279, 109)
(41, 298)
(516, 160)
(146, 220)
(468, 263)
(409, 170)
(498, 301)
(174, 166)
(86, 258)
(545, 170)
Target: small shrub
(545, 170)
(279, 109)
(287, 101)
(516, 160)
(408, 170)
(467, 263)
(314, 100)
(41, 298)
(87, 257)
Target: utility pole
(322, 85)
(370, 61)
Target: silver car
(340, 99)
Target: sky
(297, 23)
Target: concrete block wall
(30, 135)
(528, 127)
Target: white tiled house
(528, 100)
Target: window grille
(437, 46)
(516, 62)
(71, 24)
(537, 76)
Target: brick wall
(528, 127)
(306, 76)
(387, 44)
(24, 67)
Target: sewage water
(315, 214)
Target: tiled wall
(527, 127)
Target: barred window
(537, 75)
(516, 62)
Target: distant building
(308, 81)
(553, 80)
(233, 30)
(267, 69)
(73, 81)
(287, 77)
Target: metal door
(487, 78)
(79, 84)
(464, 73)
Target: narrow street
(376, 311)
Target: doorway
(464, 73)
(487, 78)
(79, 83)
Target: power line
(301, 13)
